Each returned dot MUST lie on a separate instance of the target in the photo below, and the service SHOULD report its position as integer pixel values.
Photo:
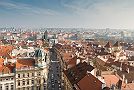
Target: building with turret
(31, 73)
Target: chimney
(121, 67)
(72, 55)
(5, 61)
(128, 70)
(123, 77)
(126, 81)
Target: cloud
(27, 9)
(76, 13)
(102, 13)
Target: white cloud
(27, 9)
(79, 13)
(103, 13)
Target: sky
(67, 13)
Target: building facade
(7, 79)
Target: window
(32, 74)
(39, 81)
(18, 75)
(6, 87)
(39, 73)
(28, 88)
(32, 81)
(7, 79)
(11, 78)
(32, 87)
(37, 88)
(12, 87)
(27, 82)
(27, 74)
(23, 88)
(0, 86)
(0, 79)
(23, 82)
(24, 75)
(18, 83)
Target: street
(54, 77)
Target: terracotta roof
(4, 69)
(110, 79)
(129, 86)
(5, 50)
(1, 60)
(120, 64)
(100, 62)
(110, 60)
(58, 46)
(25, 62)
(46, 49)
(129, 76)
(76, 73)
(67, 56)
(72, 61)
(89, 82)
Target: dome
(39, 53)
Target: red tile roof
(90, 82)
(110, 79)
(1, 61)
(5, 50)
(25, 62)
(129, 86)
(76, 73)
(4, 69)
(72, 62)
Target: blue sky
(67, 13)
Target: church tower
(45, 39)
(117, 47)
(108, 47)
(45, 36)
(40, 57)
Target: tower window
(23, 75)
(18, 75)
(18, 83)
(23, 83)
(32, 81)
(32, 74)
(27, 82)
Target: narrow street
(54, 79)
